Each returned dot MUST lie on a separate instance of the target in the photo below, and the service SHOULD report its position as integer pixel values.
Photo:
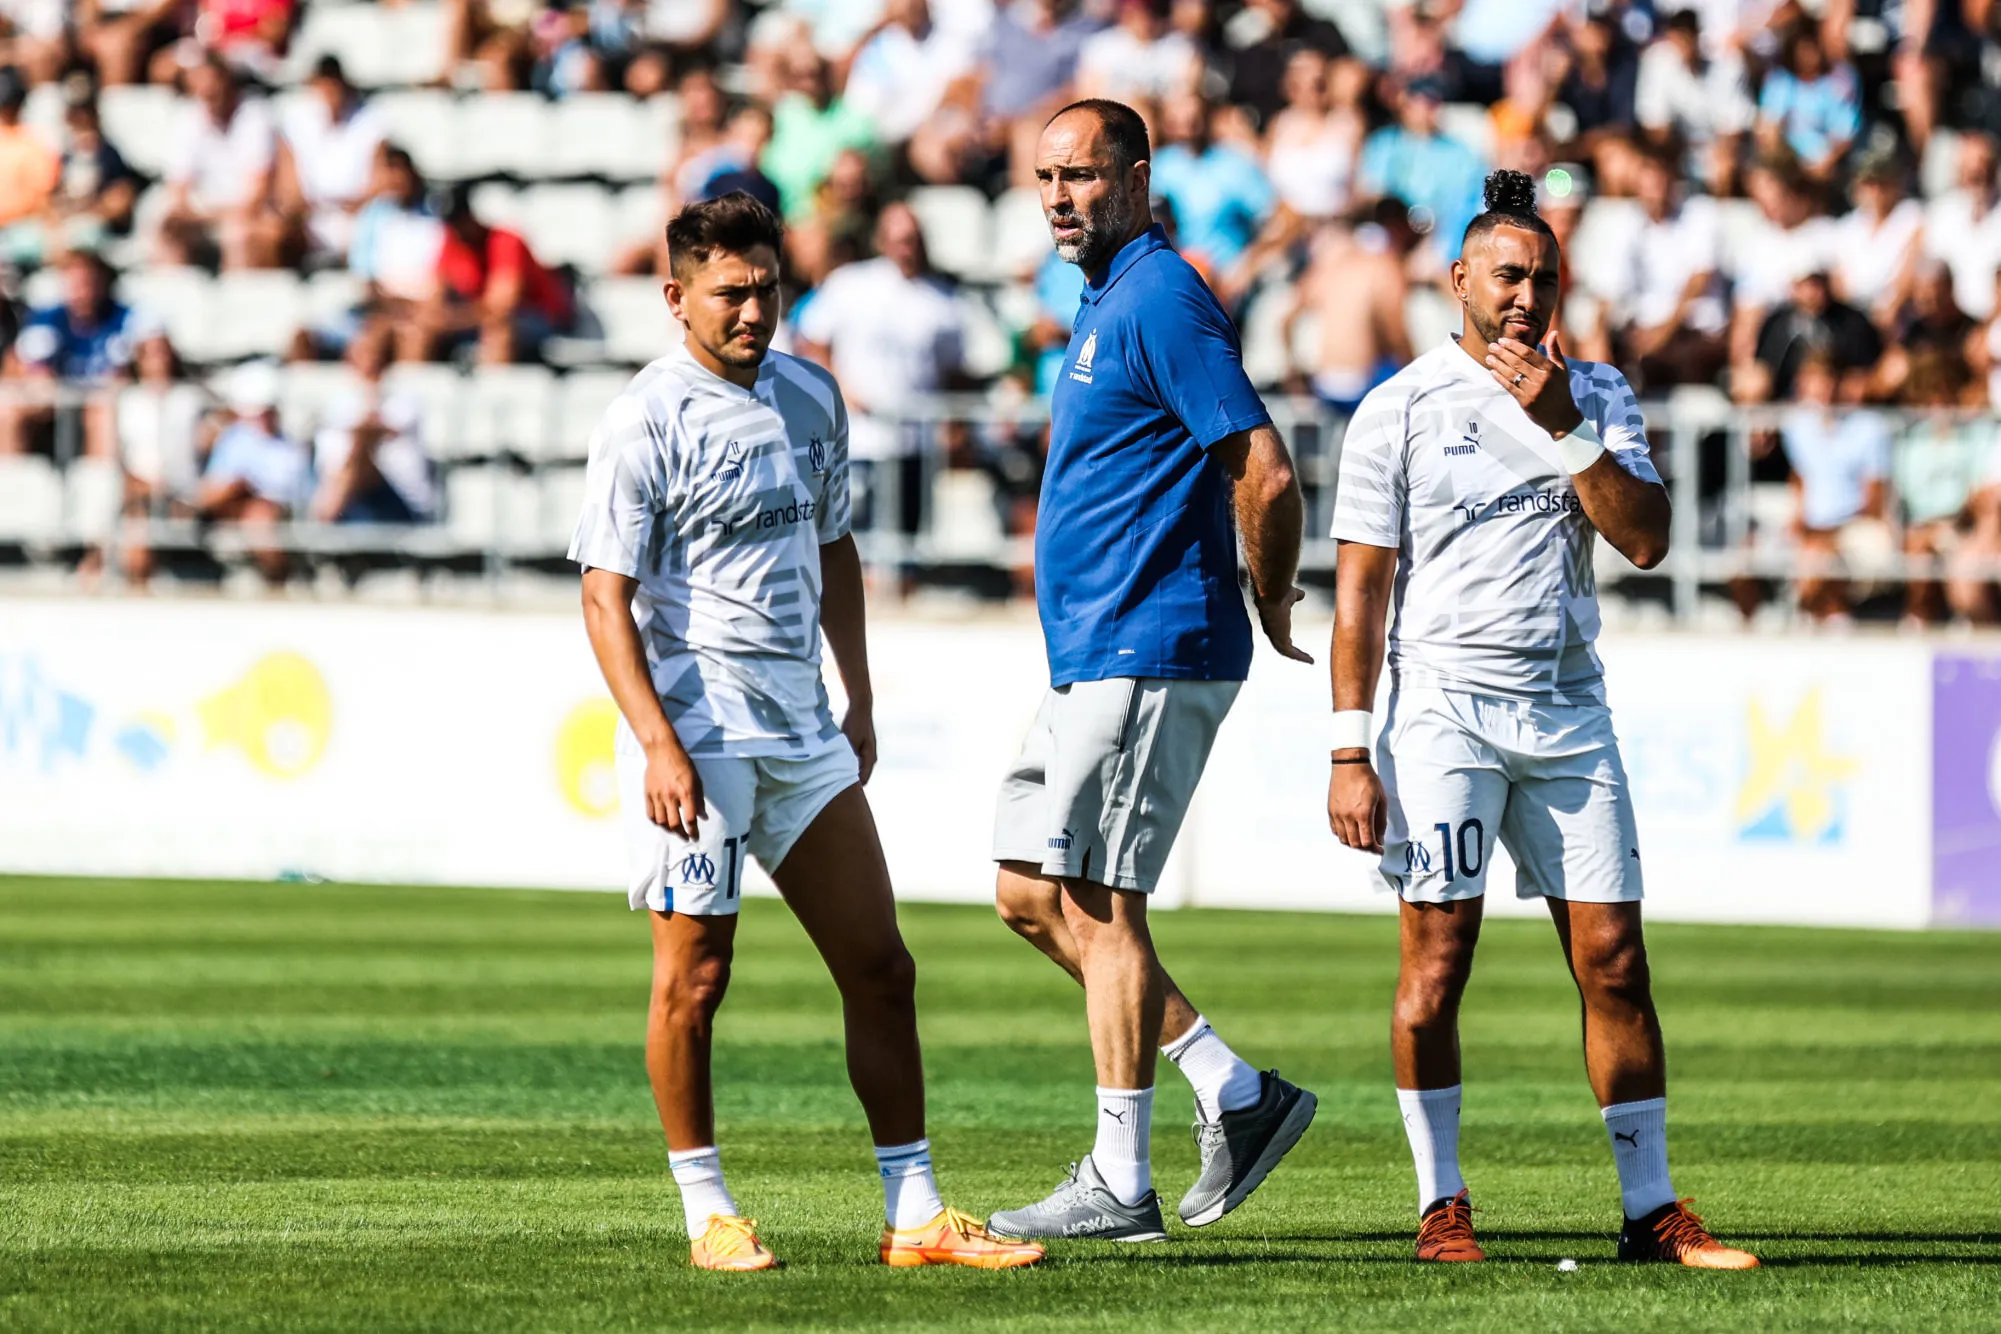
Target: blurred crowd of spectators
(1740, 187)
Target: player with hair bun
(1473, 485)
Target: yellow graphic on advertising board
(279, 715)
(1795, 786)
(586, 770)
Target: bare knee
(689, 997)
(1615, 975)
(887, 977)
(1428, 993)
(1030, 907)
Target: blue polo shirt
(1135, 548)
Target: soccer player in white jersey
(1471, 487)
(715, 545)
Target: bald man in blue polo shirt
(1160, 455)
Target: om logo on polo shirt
(1080, 370)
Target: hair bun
(1511, 193)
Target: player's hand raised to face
(1275, 617)
(673, 791)
(1355, 806)
(1541, 384)
(859, 728)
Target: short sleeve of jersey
(1370, 491)
(1608, 401)
(621, 508)
(1191, 354)
(834, 518)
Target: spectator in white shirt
(1313, 143)
(1140, 59)
(1684, 96)
(1664, 283)
(369, 452)
(1875, 246)
(165, 424)
(1963, 227)
(1790, 240)
(326, 159)
(902, 69)
(892, 332)
(219, 174)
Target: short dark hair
(1124, 131)
(730, 224)
(1510, 202)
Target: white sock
(699, 1174)
(1223, 1081)
(1431, 1122)
(909, 1191)
(1639, 1147)
(1125, 1130)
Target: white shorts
(750, 808)
(1105, 777)
(1463, 772)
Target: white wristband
(1353, 729)
(1580, 448)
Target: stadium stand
(1314, 161)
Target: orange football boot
(730, 1243)
(953, 1238)
(1446, 1233)
(1674, 1234)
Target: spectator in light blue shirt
(255, 476)
(1815, 109)
(1438, 178)
(1841, 466)
(1218, 193)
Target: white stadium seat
(506, 133)
(559, 500)
(637, 327)
(1021, 234)
(1267, 359)
(331, 294)
(642, 214)
(254, 314)
(508, 409)
(987, 349)
(139, 121)
(958, 227)
(490, 506)
(31, 499)
(425, 123)
(1471, 124)
(610, 135)
(570, 224)
(96, 494)
(965, 522)
(43, 112)
(496, 204)
(179, 298)
(379, 46)
(438, 389)
(306, 390)
(581, 401)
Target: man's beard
(1494, 329)
(1101, 234)
(731, 353)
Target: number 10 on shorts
(1470, 841)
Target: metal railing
(960, 496)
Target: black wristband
(1353, 759)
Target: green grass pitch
(323, 1107)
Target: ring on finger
(1520, 376)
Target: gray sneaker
(1083, 1207)
(1243, 1147)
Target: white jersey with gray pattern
(717, 500)
(1494, 592)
